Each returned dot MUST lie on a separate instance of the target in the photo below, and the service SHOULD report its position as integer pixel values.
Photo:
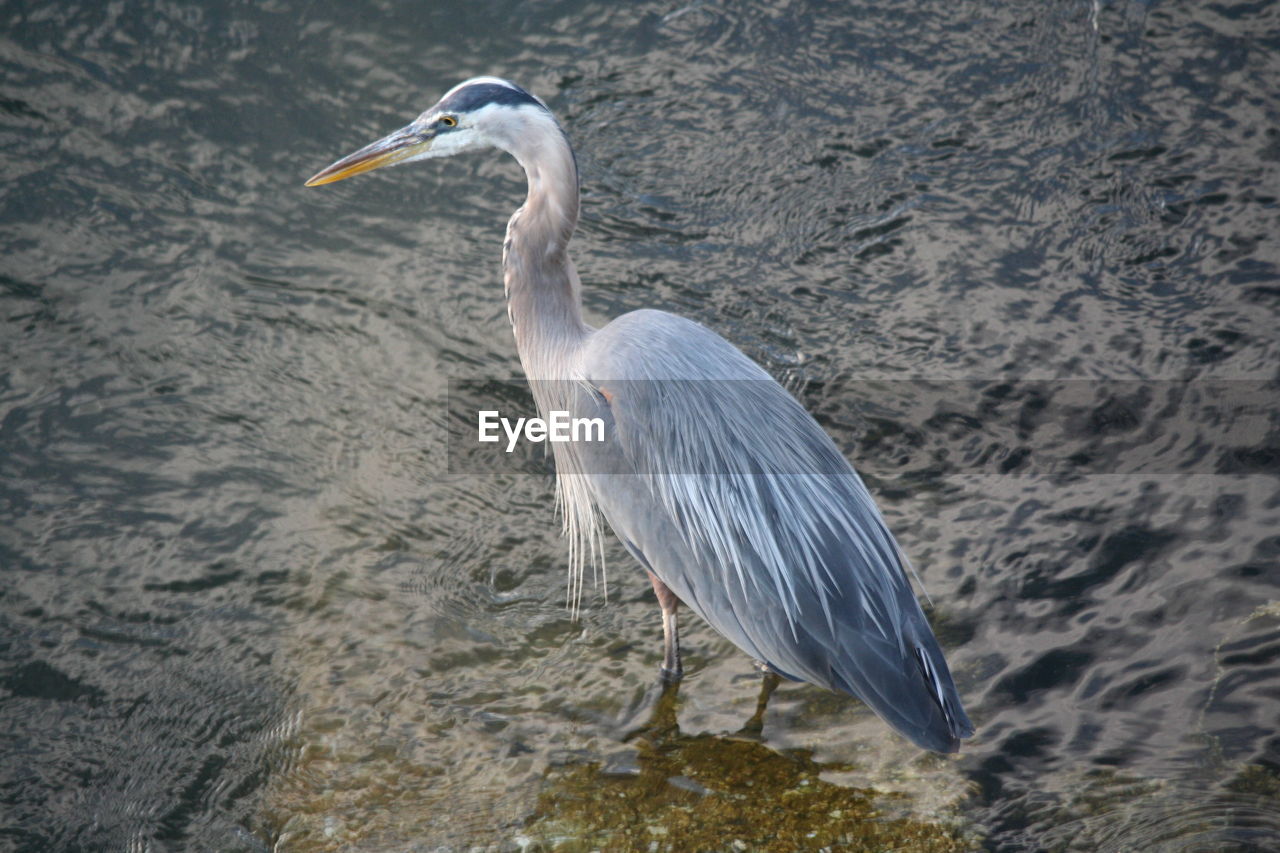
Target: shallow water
(246, 605)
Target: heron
(717, 481)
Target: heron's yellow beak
(387, 151)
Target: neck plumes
(544, 299)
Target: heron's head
(483, 112)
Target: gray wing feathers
(748, 511)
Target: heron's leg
(768, 684)
(667, 600)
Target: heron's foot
(662, 724)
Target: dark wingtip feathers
(943, 691)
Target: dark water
(246, 606)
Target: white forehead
(496, 81)
(470, 95)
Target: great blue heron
(715, 479)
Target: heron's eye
(448, 121)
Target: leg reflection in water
(664, 728)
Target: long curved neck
(544, 298)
